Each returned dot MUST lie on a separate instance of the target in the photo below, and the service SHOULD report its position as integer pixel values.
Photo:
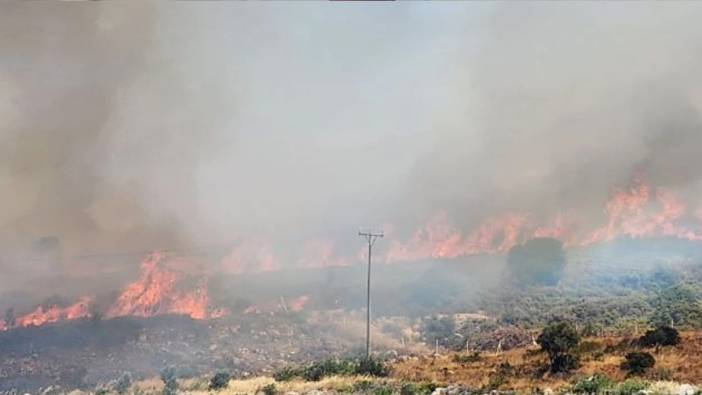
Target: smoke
(567, 102)
(135, 127)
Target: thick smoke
(127, 128)
(566, 102)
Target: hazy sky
(136, 126)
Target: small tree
(220, 380)
(269, 389)
(123, 383)
(558, 340)
(637, 362)
(170, 385)
(661, 336)
(10, 320)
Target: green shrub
(637, 362)
(594, 384)
(426, 388)
(123, 383)
(170, 385)
(371, 367)
(286, 374)
(269, 389)
(219, 380)
(333, 367)
(329, 367)
(362, 386)
(383, 391)
(632, 387)
(408, 389)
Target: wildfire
(54, 313)
(439, 239)
(637, 211)
(156, 292)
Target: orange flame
(439, 239)
(156, 292)
(54, 313)
(630, 213)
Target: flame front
(156, 292)
(638, 211)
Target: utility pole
(371, 239)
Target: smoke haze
(131, 127)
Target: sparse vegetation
(467, 358)
(333, 367)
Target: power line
(371, 238)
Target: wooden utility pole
(371, 239)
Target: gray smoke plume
(128, 127)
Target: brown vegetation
(527, 365)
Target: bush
(594, 384)
(329, 367)
(371, 367)
(219, 380)
(408, 389)
(333, 367)
(637, 362)
(362, 386)
(286, 374)
(558, 340)
(463, 358)
(632, 387)
(383, 391)
(661, 336)
(123, 383)
(564, 363)
(269, 389)
(170, 385)
(426, 388)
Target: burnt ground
(83, 354)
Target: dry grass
(681, 364)
(253, 385)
